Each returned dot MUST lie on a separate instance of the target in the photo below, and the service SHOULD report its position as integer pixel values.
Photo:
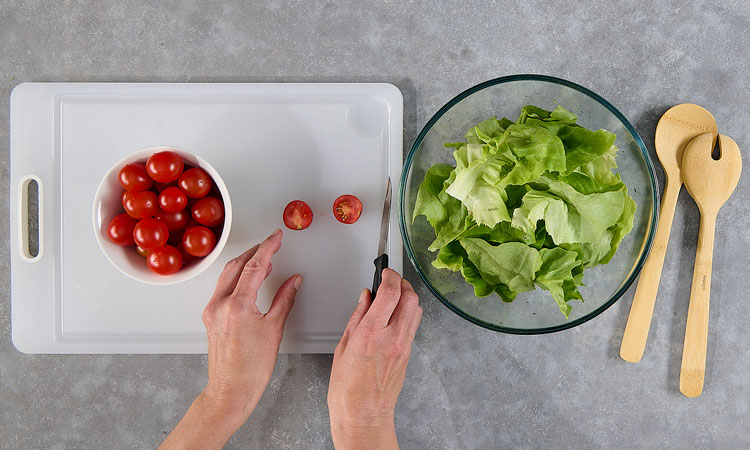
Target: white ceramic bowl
(107, 204)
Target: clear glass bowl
(531, 312)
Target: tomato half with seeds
(347, 209)
(297, 215)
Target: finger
(231, 273)
(284, 299)
(386, 299)
(407, 306)
(363, 304)
(411, 330)
(254, 271)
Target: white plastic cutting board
(272, 143)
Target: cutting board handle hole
(30, 245)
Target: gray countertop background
(466, 388)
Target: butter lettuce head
(529, 204)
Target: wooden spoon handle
(639, 320)
(696, 330)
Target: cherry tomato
(208, 211)
(164, 167)
(120, 230)
(187, 258)
(161, 186)
(199, 241)
(140, 204)
(297, 215)
(133, 177)
(142, 251)
(174, 221)
(164, 260)
(172, 199)
(347, 209)
(150, 233)
(196, 183)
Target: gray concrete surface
(467, 388)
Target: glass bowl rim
(554, 80)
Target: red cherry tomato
(140, 204)
(165, 260)
(347, 209)
(133, 177)
(208, 211)
(164, 167)
(199, 241)
(150, 233)
(297, 215)
(172, 199)
(174, 221)
(161, 186)
(120, 230)
(196, 183)
(142, 251)
(187, 258)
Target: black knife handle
(381, 262)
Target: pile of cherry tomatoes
(173, 212)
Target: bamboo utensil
(710, 182)
(676, 128)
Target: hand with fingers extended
(369, 366)
(243, 345)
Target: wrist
(376, 430)
(233, 414)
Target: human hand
(243, 345)
(369, 365)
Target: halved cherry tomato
(174, 221)
(165, 260)
(297, 215)
(133, 177)
(164, 167)
(347, 209)
(196, 183)
(120, 230)
(140, 204)
(172, 199)
(199, 241)
(150, 233)
(208, 211)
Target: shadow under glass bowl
(532, 312)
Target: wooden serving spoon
(710, 182)
(676, 128)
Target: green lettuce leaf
(570, 217)
(453, 257)
(512, 264)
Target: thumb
(284, 298)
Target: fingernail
(278, 230)
(297, 282)
(362, 296)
